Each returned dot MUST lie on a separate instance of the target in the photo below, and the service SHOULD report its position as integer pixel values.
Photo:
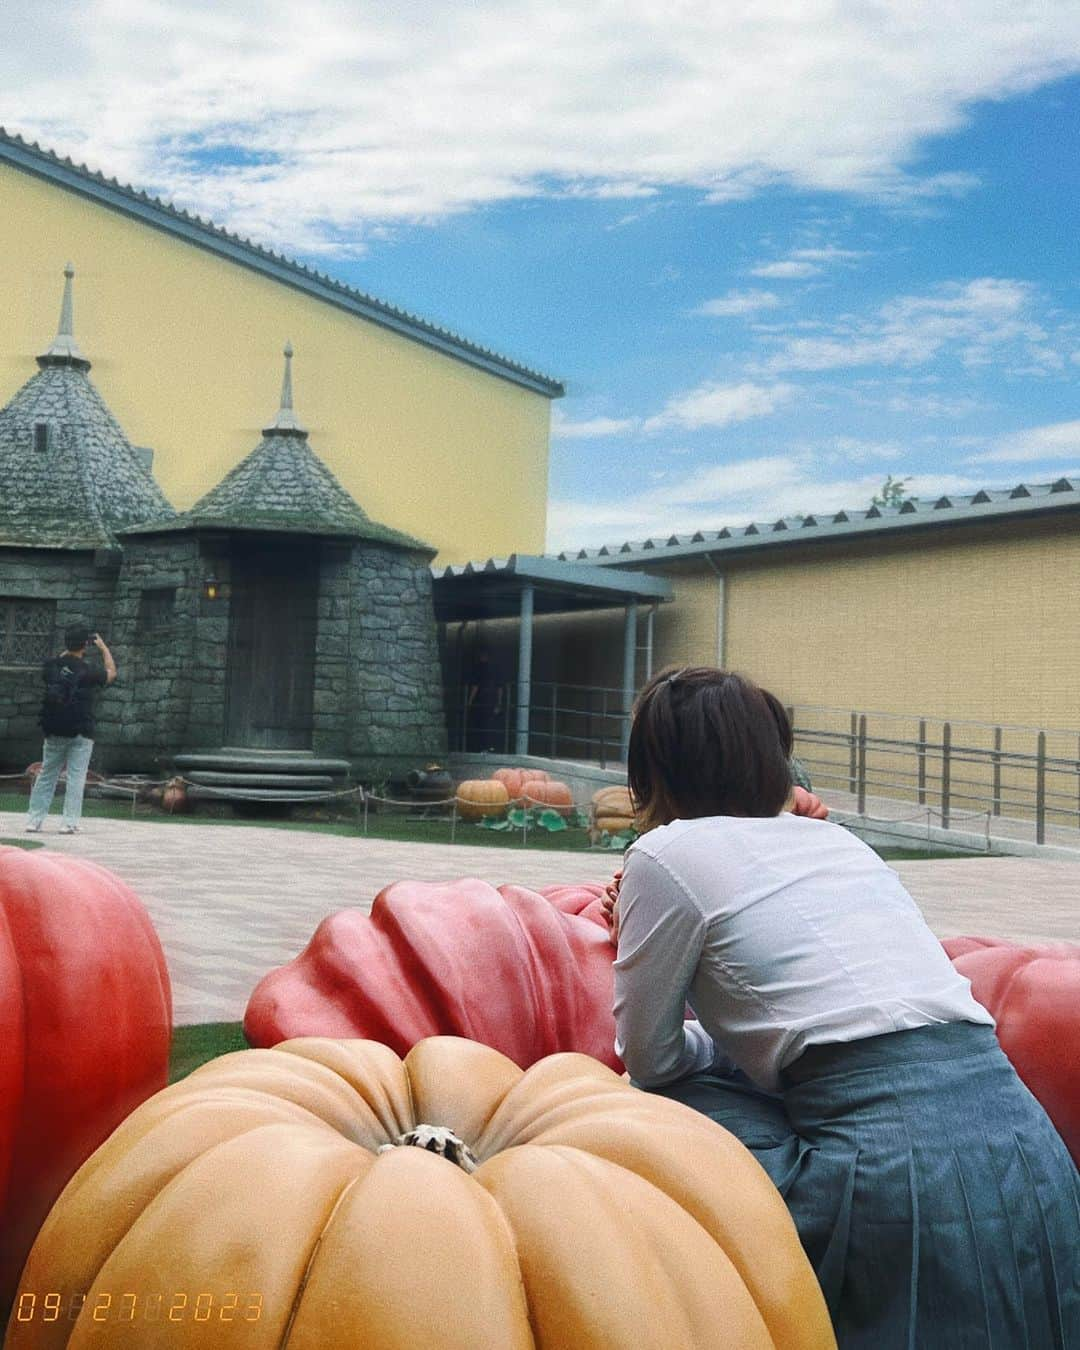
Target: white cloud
(737, 303)
(1057, 440)
(976, 321)
(339, 113)
(719, 405)
(592, 428)
(760, 490)
(788, 269)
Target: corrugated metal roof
(989, 503)
(33, 158)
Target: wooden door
(272, 629)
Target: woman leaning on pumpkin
(937, 1203)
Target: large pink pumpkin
(528, 973)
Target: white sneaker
(69, 829)
(33, 829)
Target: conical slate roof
(69, 477)
(284, 485)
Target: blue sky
(772, 261)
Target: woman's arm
(661, 936)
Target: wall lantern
(214, 589)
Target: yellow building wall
(979, 624)
(186, 350)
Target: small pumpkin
(550, 794)
(481, 798)
(85, 1025)
(446, 1200)
(174, 798)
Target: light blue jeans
(75, 752)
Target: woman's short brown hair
(707, 742)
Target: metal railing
(566, 721)
(956, 766)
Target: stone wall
(81, 584)
(147, 720)
(395, 699)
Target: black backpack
(61, 713)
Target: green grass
(22, 843)
(195, 1045)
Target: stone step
(203, 792)
(261, 761)
(314, 781)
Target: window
(26, 631)
(43, 437)
(157, 609)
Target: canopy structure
(523, 586)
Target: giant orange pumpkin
(478, 798)
(550, 793)
(328, 1194)
(85, 1023)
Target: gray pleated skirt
(935, 1200)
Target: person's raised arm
(107, 658)
(660, 939)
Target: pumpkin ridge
(378, 1103)
(9, 1138)
(309, 1267)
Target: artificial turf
(194, 1045)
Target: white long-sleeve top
(781, 932)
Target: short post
(853, 743)
(946, 786)
(524, 673)
(1040, 789)
(629, 662)
(862, 765)
(997, 773)
(922, 761)
(365, 815)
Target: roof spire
(64, 350)
(286, 419)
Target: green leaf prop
(551, 820)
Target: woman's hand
(807, 804)
(611, 906)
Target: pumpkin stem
(438, 1139)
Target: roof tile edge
(138, 202)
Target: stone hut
(272, 619)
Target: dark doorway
(271, 672)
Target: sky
(775, 249)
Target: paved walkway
(230, 903)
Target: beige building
(435, 435)
(961, 611)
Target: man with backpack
(67, 719)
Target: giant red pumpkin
(85, 1024)
(525, 974)
(1033, 993)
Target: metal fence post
(852, 744)
(554, 716)
(946, 745)
(997, 772)
(603, 728)
(862, 765)
(1040, 789)
(922, 761)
